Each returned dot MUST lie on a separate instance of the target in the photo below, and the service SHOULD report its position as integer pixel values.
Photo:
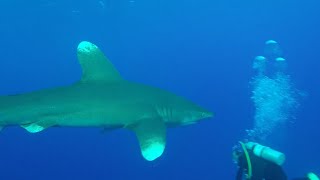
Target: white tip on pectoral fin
(151, 134)
(153, 149)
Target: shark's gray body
(102, 99)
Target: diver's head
(236, 153)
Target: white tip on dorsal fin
(95, 66)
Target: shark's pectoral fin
(95, 66)
(38, 126)
(151, 134)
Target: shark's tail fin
(1, 114)
(2, 125)
(1, 121)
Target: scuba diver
(275, 99)
(258, 162)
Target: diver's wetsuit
(261, 169)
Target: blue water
(201, 49)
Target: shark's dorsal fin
(151, 134)
(95, 66)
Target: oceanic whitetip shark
(102, 98)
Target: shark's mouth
(184, 123)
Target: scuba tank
(266, 153)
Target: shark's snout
(207, 114)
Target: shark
(103, 98)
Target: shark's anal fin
(95, 66)
(38, 126)
(151, 134)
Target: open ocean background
(201, 49)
